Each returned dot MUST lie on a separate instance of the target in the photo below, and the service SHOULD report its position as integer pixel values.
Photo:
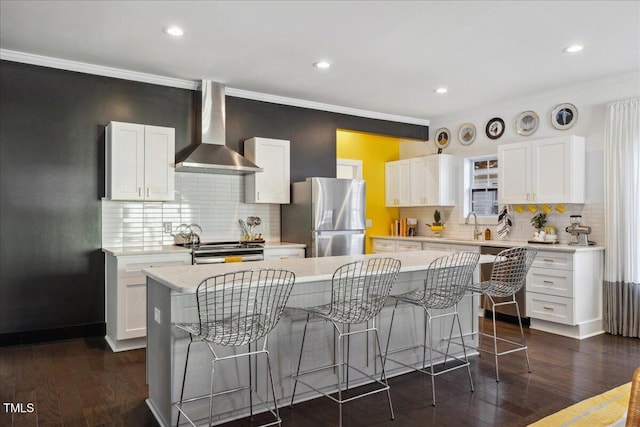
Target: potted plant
(437, 226)
(539, 221)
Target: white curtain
(622, 218)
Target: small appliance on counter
(412, 227)
(579, 233)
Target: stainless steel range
(219, 252)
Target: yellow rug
(606, 409)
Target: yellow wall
(374, 151)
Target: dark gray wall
(52, 177)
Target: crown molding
(100, 70)
(118, 73)
(239, 93)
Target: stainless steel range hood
(211, 155)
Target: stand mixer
(579, 233)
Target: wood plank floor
(82, 383)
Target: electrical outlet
(156, 315)
(368, 223)
(167, 227)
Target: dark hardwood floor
(83, 383)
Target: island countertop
(185, 279)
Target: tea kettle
(186, 235)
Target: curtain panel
(621, 302)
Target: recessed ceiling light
(573, 48)
(441, 90)
(322, 64)
(174, 31)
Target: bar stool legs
(516, 346)
(342, 367)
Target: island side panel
(159, 349)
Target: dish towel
(504, 222)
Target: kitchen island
(171, 299)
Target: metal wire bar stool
(358, 293)
(508, 276)
(237, 309)
(444, 286)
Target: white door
(127, 161)
(420, 181)
(514, 182)
(272, 185)
(159, 163)
(551, 171)
(348, 169)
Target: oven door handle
(208, 260)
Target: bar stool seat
(237, 309)
(358, 293)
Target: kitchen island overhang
(171, 299)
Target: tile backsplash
(592, 215)
(215, 202)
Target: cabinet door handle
(547, 260)
(528, 195)
(148, 192)
(549, 282)
(258, 195)
(548, 308)
(139, 191)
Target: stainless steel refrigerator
(326, 214)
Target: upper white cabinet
(421, 181)
(140, 162)
(398, 183)
(271, 185)
(544, 171)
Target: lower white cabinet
(564, 293)
(283, 253)
(383, 246)
(126, 296)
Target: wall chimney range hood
(212, 155)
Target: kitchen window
(481, 188)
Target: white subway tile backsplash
(592, 215)
(215, 202)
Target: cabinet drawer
(436, 246)
(283, 253)
(384, 246)
(402, 246)
(133, 266)
(551, 308)
(560, 260)
(550, 281)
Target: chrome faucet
(476, 232)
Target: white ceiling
(387, 57)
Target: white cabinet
(433, 180)
(283, 253)
(398, 183)
(139, 162)
(126, 296)
(406, 246)
(564, 293)
(544, 171)
(421, 181)
(271, 185)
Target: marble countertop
(170, 249)
(558, 247)
(185, 279)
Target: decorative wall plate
(494, 128)
(564, 116)
(527, 123)
(442, 137)
(467, 134)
